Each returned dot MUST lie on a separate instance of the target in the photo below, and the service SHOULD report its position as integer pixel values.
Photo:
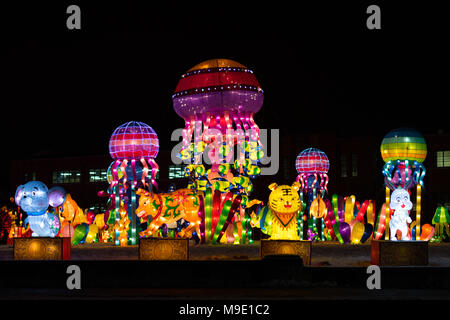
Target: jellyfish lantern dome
(134, 147)
(403, 151)
(312, 166)
(217, 98)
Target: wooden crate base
(399, 253)
(300, 248)
(163, 249)
(42, 248)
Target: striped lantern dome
(404, 144)
(217, 86)
(311, 161)
(134, 140)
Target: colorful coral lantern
(404, 150)
(133, 146)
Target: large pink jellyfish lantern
(217, 99)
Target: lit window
(343, 166)
(97, 175)
(176, 171)
(69, 176)
(354, 165)
(443, 159)
(27, 176)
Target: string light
(387, 209)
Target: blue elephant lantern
(35, 198)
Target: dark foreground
(224, 273)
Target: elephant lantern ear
(19, 195)
(56, 196)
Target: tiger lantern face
(284, 199)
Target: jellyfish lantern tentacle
(133, 146)
(312, 166)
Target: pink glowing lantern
(217, 99)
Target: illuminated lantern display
(225, 199)
(398, 224)
(8, 225)
(218, 99)
(133, 146)
(5, 224)
(79, 226)
(441, 219)
(9, 229)
(312, 166)
(35, 198)
(279, 218)
(348, 220)
(403, 151)
(70, 216)
(158, 209)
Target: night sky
(64, 92)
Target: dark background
(63, 92)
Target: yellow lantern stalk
(388, 195)
(349, 208)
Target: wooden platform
(300, 248)
(42, 248)
(399, 253)
(163, 249)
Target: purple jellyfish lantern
(217, 99)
